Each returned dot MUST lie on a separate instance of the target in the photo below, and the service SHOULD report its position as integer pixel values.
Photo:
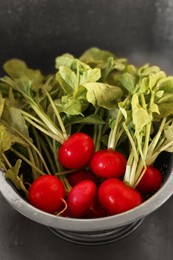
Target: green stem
(95, 134)
(113, 140)
(151, 159)
(137, 180)
(57, 115)
(6, 160)
(98, 140)
(27, 140)
(33, 118)
(27, 161)
(44, 131)
(48, 156)
(46, 120)
(65, 172)
(155, 140)
(126, 178)
(32, 160)
(37, 140)
(113, 133)
(133, 173)
(134, 150)
(142, 161)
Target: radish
(47, 193)
(108, 163)
(80, 175)
(76, 151)
(81, 198)
(97, 211)
(151, 180)
(116, 197)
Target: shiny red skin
(46, 193)
(76, 151)
(151, 181)
(108, 164)
(116, 197)
(81, 198)
(97, 211)
(81, 175)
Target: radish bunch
(95, 192)
(82, 142)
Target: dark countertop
(23, 239)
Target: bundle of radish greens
(82, 142)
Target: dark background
(39, 30)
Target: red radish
(81, 198)
(76, 151)
(97, 211)
(47, 193)
(151, 180)
(108, 163)
(80, 175)
(116, 197)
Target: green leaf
(128, 81)
(91, 119)
(166, 98)
(69, 61)
(15, 120)
(142, 85)
(13, 175)
(147, 70)
(5, 140)
(154, 108)
(155, 79)
(168, 132)
(2, 103)
(96, 57)
(104, 95)
(165, 109)
(17, 69)
(22, 86)
(90, 75)
(140, 116)
(166, 85)
(66, 60)
(66, 88)
(72, 106)
(68, 76)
